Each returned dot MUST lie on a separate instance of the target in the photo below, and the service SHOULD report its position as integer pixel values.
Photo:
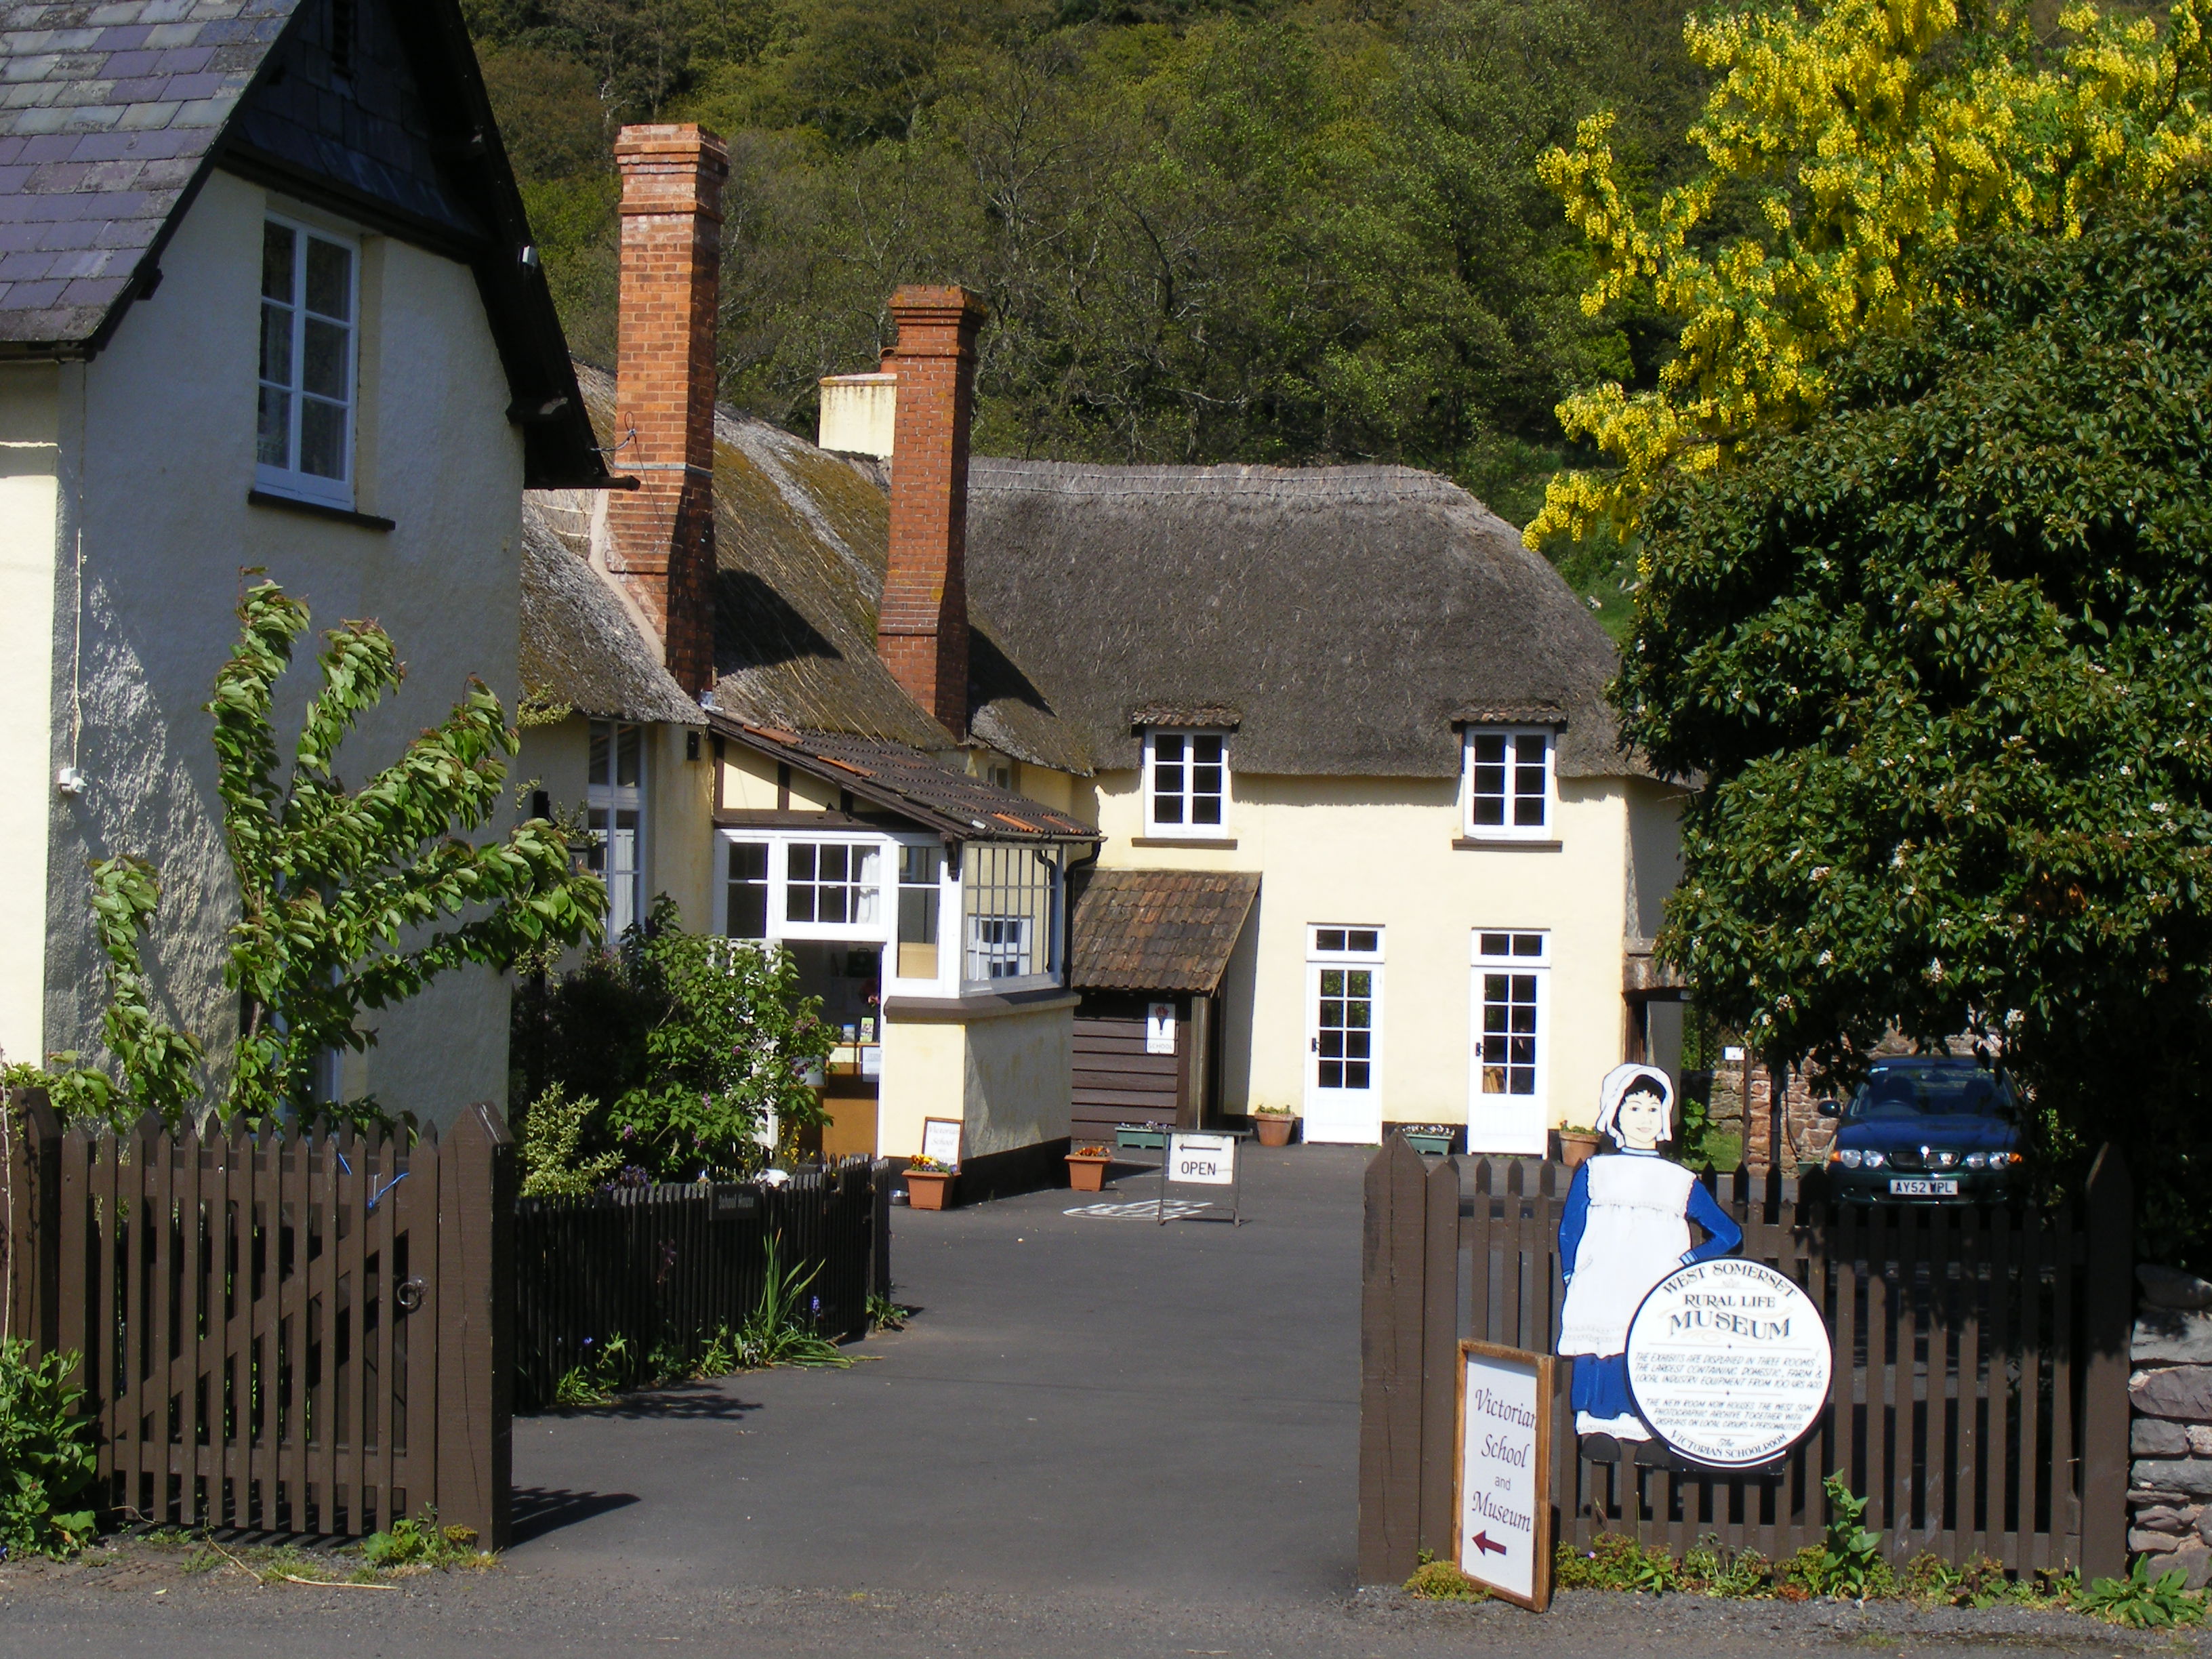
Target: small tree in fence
(350, 900)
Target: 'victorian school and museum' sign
(1504, 1474)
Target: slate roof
(1155, 930)
(901, 778)
(580, 649)
(1345, 614)
(106, 113)
(113, 111)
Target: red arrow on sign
(1482, 1543)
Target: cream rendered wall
(1379, 851)
(1005, 1078)
(156, 469)
(30, 492)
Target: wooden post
(476, 1328)
(2108, 1318)
(1440, 1360)
(30, 1228)
(1400, 1354)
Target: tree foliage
(1943, 661)
(351, 900)
(1206, 234)
(696, 1045)
(1871, 137)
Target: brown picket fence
(663, 1269)
(1978, 1400)
(303, 1332)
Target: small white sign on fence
(1160, 1028)
(1504, 1474)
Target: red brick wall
(921, 631)
(662, 534)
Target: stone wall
(1744, 1107)
(2169, 1438)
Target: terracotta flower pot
(1577, 1145)
(1274, 1127)
(929, 1189)
(1087, 1175)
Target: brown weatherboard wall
(1116, 1081)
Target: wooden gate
(307, 1333)
(1979, 1398)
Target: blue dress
(1599, 1387)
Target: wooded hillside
(1206, 233)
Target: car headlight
(1849, 1157)
(1977, 1160)
(1874, 1160)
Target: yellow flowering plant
(1869, 137)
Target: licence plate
(1933, 1188)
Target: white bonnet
(1619, 1081)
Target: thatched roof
(580, 649)
(1344, 614)
(801, 536)
(1155, 930)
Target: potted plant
(1275, 1124)
(1086, 1169)
(928, 1183)
(1576, 1144)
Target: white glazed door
(1344, 1036)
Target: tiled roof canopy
(907, 781)
(113, 112)
(1157, 930)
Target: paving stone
(2172, 1336)
(2170, 1287)
(2183, 1392)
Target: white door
(1344, 1036)
(1509, 1103)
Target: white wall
(166, 456)
(30, 463)
(1380, 852)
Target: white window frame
(780, 884)
(1050, 950)
(612, 798)
(1501, 1121)
(290, 480)
(1514, 736)
(1185, 830)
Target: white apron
(1637, 1232)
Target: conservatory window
(1011, 915)
(832, 882)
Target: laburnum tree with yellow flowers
(1871, 137)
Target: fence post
(879, 1229)
(1408, 1298)
(30, 1235)
(476, 1328)
(2108, 1301)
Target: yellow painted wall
(680, 805)
(30, 461)
(1380, 852)
(1005, 1078)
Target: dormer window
(1187, 784)
(1508, 784)
(303, 441)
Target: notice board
(1502, 1472)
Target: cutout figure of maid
(1626, 1227)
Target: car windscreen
(1931, 1091)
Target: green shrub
(2142, 1601)
(551, 1130)
(1441, 1581)
(46, 1458)
(1709, 1567)
(1615, 1561)
(419, 1542)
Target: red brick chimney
(661, 540)
(922, 632)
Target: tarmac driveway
(1084, 1403)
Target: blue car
(1925, 1129)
